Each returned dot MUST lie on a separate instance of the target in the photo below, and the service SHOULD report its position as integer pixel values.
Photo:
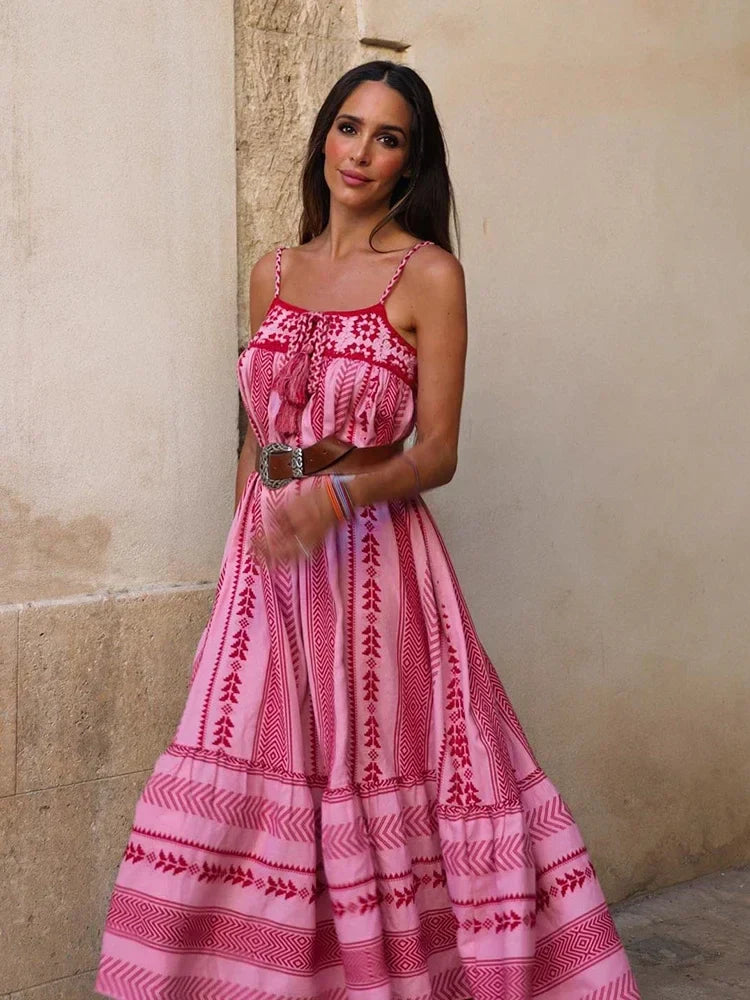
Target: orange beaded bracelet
(340, 497)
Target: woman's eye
(392, 141)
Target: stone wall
(92, 688)
(118, 283)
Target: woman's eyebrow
(359, 121)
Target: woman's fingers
(296, 528)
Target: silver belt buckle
(270, 449)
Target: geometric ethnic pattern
(508, 979)
(548, 819)
(261, 942)
(173, 926)
(462, 791)
(342, 840)
(175, 863)
(370, 649)
(237, 655)
(123, 979)
(248, 812)
(411, 731)
(568, 882)
(350, 806)
(486, 856)
(574, 947)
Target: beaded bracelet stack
(340, 497)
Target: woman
(349, 806)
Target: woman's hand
(304, 520)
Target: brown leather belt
(279, 464)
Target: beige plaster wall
(118, 291)
(598, 518)
(118, 437)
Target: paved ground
(691, 942)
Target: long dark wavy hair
(422, 203)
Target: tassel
(287, 419)
(291, 385)
(291, 380)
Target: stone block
(102, 682)
(8, 665)
(314, 19)
(61, 850)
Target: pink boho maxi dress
(349, 808)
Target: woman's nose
(359, 154)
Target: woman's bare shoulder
(263, 266)
(434, 258)
(433, 269)
(261, 288)
(263, 279)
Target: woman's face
(370, 136)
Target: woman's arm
(441, 325)
(261, 294)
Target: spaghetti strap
(401, 266)
(277, 272)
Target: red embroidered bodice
(309, 373)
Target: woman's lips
(354, 181)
